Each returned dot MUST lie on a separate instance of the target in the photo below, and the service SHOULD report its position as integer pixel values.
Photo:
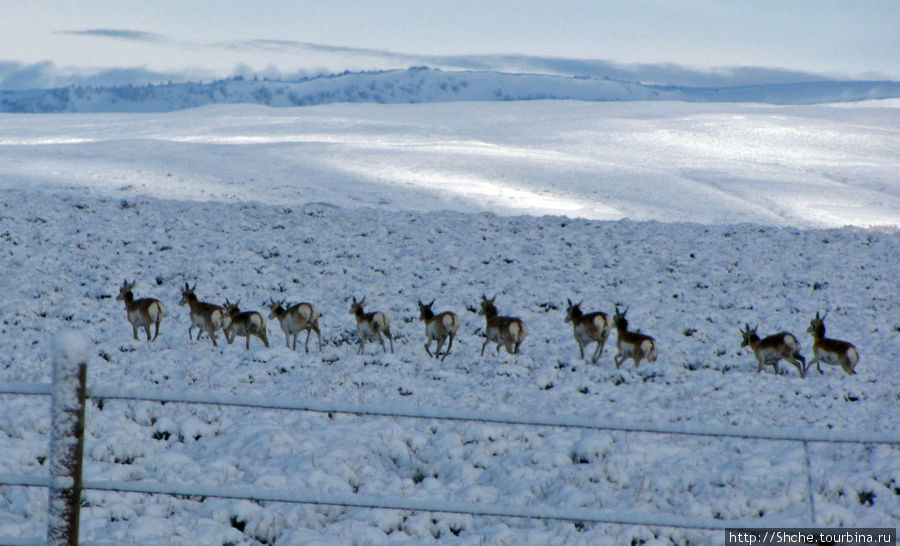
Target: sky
(59, 42)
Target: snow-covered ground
(698, 217)
(806, 166)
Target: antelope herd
(505, 331)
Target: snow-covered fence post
(66, 437)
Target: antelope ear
(570, 301)
(430, 304)
(579, 303)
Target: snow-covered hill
(417, 85)
(804, 166)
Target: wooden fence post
(66, 438)
(810, 498)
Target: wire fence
(620, 517)
(795, 434)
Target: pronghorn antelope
(370, 326)
(770, 349)
(141, 313)
(831, 351)
(589, 328)
(294, 319)
(438, 328)
(245, 324)
(207, 317)
(633, 345)
(507, 331)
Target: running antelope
(207, 317)
(770, 349)
(244, 324)
(590, 328)
(831, 351)
(141, 313)
(370, 326)
(507, 331)
(633, 345)
(438, 328)
(294, 319)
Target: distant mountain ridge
(420, 85)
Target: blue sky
(105, 41)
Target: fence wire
(620, 517)
(485, 416)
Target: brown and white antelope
(438, 328)
(831, 351)
(634, 345)
(770, 349)
(295, 318)
(141, 313)
(589, 328)
(370, 326)
(207, 317)
(244, 324)
(507, 331)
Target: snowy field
(698, 217)
(804, 166)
